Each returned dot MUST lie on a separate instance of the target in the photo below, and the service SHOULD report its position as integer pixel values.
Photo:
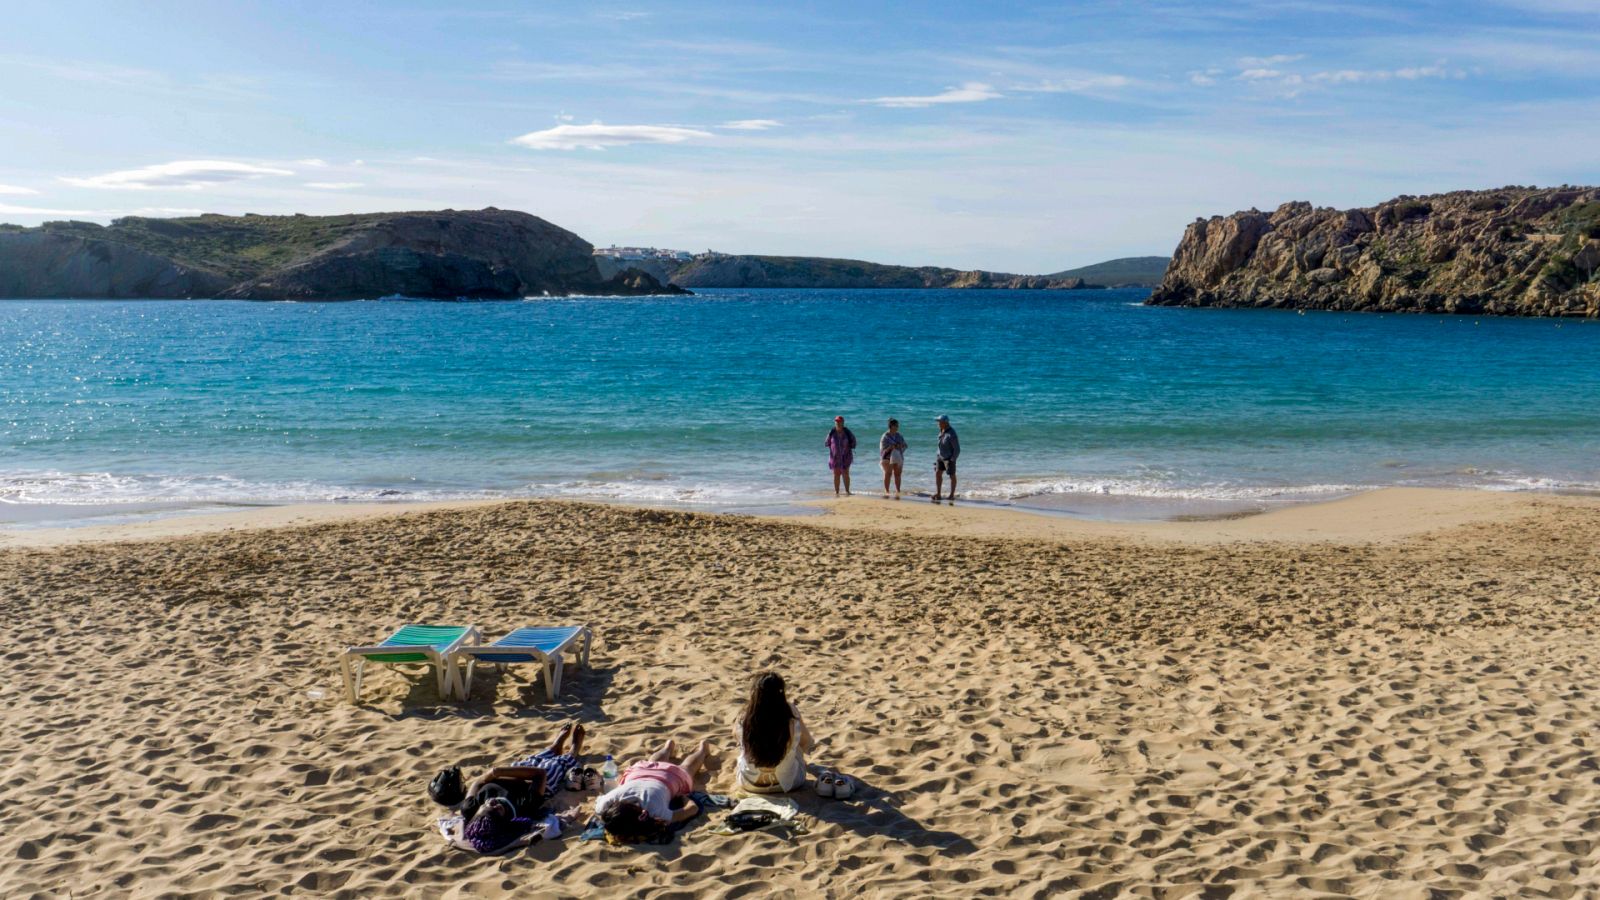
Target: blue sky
(1018, 137)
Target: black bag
(446, 788)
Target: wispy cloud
(751, 124)
(1082, 84)
(10, 210)
(1266, 62)
(967, 92)
(1413, 73)
(186, 174)
(333, 185)
(14, 190)
(599, 136)
(622, 15)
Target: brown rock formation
(1512, 251)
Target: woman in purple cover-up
(841, 444)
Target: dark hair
(765, 725)
(894, 421)
(494, 826)
(446, 788)
(627, 821)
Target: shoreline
(1383, 514)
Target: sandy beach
(1390, 695)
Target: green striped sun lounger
(429, 645)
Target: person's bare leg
(696, 761)
(888, 473)
(897, 470)
(665, 753)
(577, 739)
(952, 496)
(938, 485)
(847, 482)
(558, 745)
(836, 483)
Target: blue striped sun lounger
(531, 645)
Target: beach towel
(779, 815)
(450, 827)
(596, 830)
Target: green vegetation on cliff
(725, 271)
(1129, 271)
(480, 254)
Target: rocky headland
(486, 254)
(728, 271)
(1515, 251)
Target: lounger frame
(544, 646)
(440, 655)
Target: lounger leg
(361, 667)
(588, 639)
(551, 685)
(464, 676)
(349, 686)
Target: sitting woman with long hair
(641, 806)
(772, 738)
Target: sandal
(843, 787)
(825, 786)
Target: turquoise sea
(1082, 402)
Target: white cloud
(968, 92)
(189, 174)
(333, 185)
(312, 163)
(751, 124)
(15, 190)
(1077, 84)
(1267, 62)
(622, 15)
(599, 136)
(1205, 78)
(1413, 73)
(9, 210)
(96, 214)
(1259, 74)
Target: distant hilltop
(448, 254)
(1515, 251)
(723, 270)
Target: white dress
(787, 775)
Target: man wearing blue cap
(944, 459)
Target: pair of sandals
(832, 784)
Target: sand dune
(1041, 714)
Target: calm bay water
(1085, 401)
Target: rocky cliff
(1513, 251)
(483, 254)
(818, 272)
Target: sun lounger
(433, 645)
(531, 645)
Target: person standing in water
(892, 454)
(944, 461)
(841, 444)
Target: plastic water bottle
(608, 774)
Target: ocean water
(1082, 402)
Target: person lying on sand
(772, 739)
(641, 806)
(504, 803)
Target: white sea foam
(1023, 489)
(650, 486)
